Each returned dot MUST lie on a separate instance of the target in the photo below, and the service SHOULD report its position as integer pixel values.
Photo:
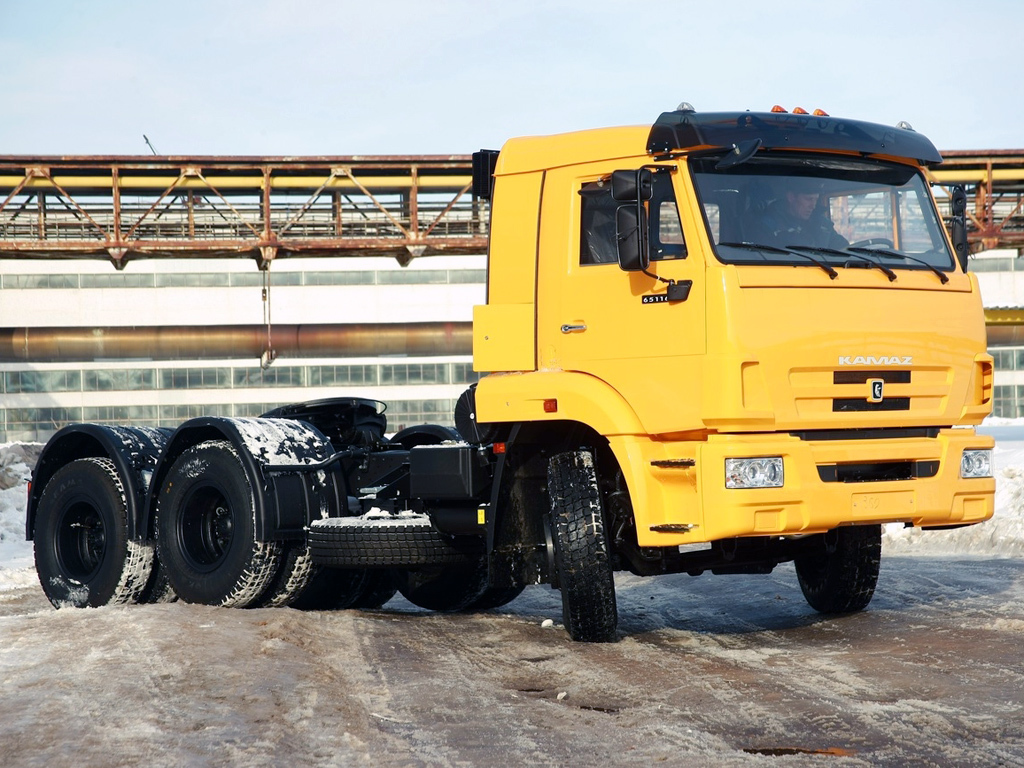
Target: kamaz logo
(872, 360)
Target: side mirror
(958, 228)
(631, 237)
(631, 186)
(633, 189)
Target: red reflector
(498, 448)
(799, 111)
(777, 108)
(551, 406)
(820, 113)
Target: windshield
(829, 212)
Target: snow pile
(17, 568)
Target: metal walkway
(258, 207)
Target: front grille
(863, 404)
(884, 433)
(862, 377)
(843, 404)
(877, 471)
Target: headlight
(754, 473)
(976, 464)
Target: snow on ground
(16, 562)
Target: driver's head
(802, 197)
(801, 204)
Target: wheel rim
(81, 541)
(205, 528)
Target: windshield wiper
(897, 255)
(846, 255)
(777, 249)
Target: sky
(314, 77)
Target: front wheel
(83, 555)
(206, 530)
(582, 559)
(839, 573)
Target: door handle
(573, 328)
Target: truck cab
(759, 314)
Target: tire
(355, 542)
(293, 577)
(341, 588)
(495, 597)
(582, 560)
(443, 589)
(83, 555)
(842, 580)
(380, 588)
(206, 523)
(159, 589)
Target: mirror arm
(958, 225)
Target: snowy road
(710, 671)
(713, 671)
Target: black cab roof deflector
(681, 130)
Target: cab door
(619, 326)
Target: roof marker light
(820, 113)
(685, 106)
(799, 111)
(904, 125)
(777, 108)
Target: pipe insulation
(181, 342)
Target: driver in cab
(795, 218)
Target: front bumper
(679, 495)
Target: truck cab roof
(685, 130)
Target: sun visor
(682, 130)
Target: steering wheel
(879, 241)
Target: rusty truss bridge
(994, 180)
(121, 208)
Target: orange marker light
(777, 108)
(551, 406)
(799, 111)
(820, 113)
(498, 448)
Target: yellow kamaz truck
(717, 343)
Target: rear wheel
(443, 589)
(840, 572)
(83, 555)
(339, 588)
(582, 560)
(496, 597)
(206, 530)
(294, 576)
